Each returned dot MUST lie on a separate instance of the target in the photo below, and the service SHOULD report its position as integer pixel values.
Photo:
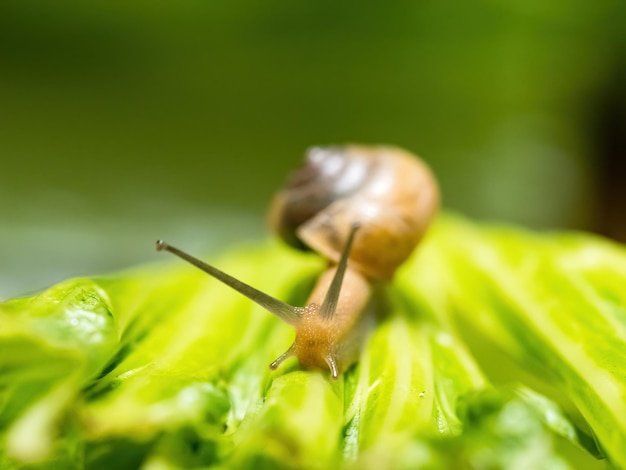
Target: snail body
(363, 208)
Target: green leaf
(553, 304)
(494, 348)
(51, 345)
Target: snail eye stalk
(286, 312)
(327, 310)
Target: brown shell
(389, 191)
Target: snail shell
(389, 191)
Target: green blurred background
(124, 122)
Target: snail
(363, 208)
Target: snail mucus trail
(365, 209)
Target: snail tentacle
(286, 312)
(284, 356)
(332, 365)
(328, 307)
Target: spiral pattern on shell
(390, 192)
